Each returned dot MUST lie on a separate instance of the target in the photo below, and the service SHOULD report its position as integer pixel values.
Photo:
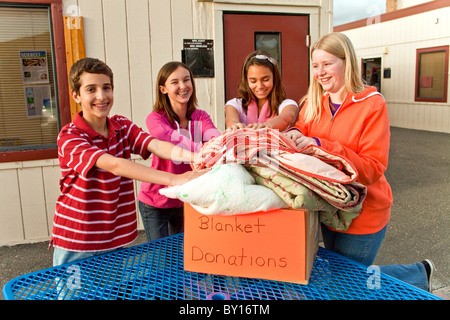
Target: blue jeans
(363, 248)
(62, 256)
(159, 223)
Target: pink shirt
(201, 129)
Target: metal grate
(154, 271)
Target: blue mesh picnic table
(154, 271)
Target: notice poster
(34, 66)
(38, 101)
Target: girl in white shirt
(262, 99)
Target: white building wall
(396, 42)
(135, 38)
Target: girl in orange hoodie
(345, 117)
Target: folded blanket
(247, 146)
(311, 178)
(341, 195)
(243, 146)
(299, 196)
(227, 189)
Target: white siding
(135, 38)
(396, 42)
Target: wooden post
(75, 50)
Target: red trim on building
(426, 50)
(56, 8)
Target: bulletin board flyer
(34, 67)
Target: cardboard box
(276, 245)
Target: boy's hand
(188, 176)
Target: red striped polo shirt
(96, 209)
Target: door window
(269, 42)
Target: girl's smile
(178, 87)
(260, 82)
(329, 71)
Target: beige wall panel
(202, 19)
(430, 118)
(415, 111)
(326, 16)
(403, 114)
(116, 52)
(182, 24)
(92, 13)
(160, 34)
(219, 72)
(445, 119)
(11, 224)
(425, 26)
(393, 114)
(275, 2)
(206, 98)
(202, 26)
(141, 82)
(32, 199)
(137, 185)
(441, 117)
(51, 175)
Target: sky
(345, 11)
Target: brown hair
(90, 65)
(162, 102)
(276, 96)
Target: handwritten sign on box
(276, 245)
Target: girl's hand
(257, 126)
(299, 139)
(235, 126)
(292, 134)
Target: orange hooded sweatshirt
(360, 132)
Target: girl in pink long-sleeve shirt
(175, 118)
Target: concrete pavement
(419, 173)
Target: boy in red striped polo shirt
(96, 210)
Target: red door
(241, 34)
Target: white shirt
(237, 103)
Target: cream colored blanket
(228, 189)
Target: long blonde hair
(340, 46)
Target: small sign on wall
(34, 66)
(198, 55)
